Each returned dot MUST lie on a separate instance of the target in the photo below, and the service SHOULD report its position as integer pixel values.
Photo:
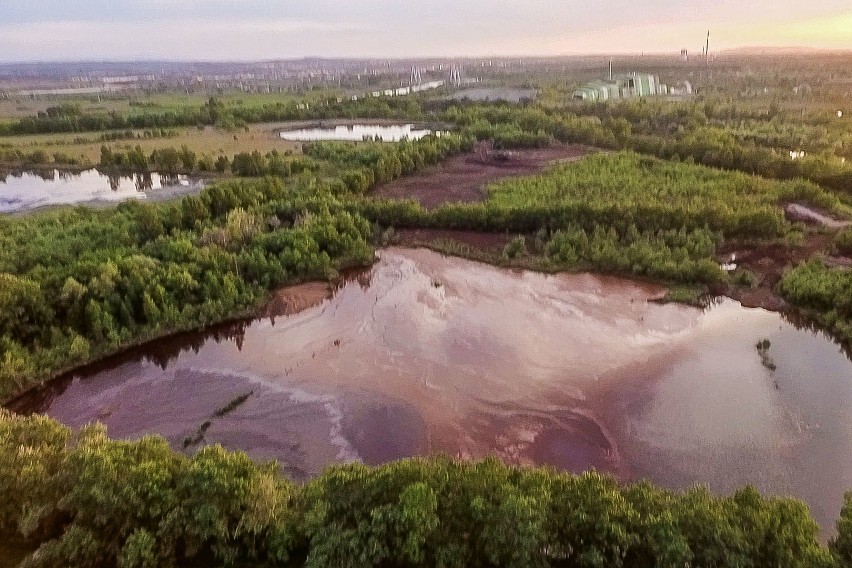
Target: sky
(216, 30)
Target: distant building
(622, 87)
(682, 89)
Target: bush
(515, 248)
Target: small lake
(358, 133)
(427, 354)
(30, 190)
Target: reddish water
(430, 354)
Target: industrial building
(622, 87)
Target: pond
(359, 132)
(25, 191)
(427, 354)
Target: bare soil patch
(488, 242)
(293, 299)
(463, 178)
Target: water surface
(426, 354)
(359, 132)
(30, 190)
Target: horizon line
(669, 53)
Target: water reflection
(359, 132)
(26, 190)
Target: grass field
(211, 141)
(20, 107)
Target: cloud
(183, 39)
(271, 29)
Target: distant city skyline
(227, 30)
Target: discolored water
(426, 354)
(30, 190)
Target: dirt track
(463, 178)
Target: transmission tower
(455, 76)
(416, 78)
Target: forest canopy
(86, 500)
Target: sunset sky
(277, 29)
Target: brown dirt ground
(294, 299)
(463, 178)
(488, 242)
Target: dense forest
(85, 500)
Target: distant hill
(791, 50)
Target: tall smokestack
(610, 69)
(707, 48)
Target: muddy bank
(485, 242)
(427, 354)
(463, 178)
(294, 299)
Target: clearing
(463, 178)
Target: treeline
(826, 293)
(358, 167)
(184, 160)
(132, 135)
(85, 500)
(20, 158)
(215, 113)
(572, 238)
(674, 256)
(76, 284)
(367, 164)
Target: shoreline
(306, 294)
